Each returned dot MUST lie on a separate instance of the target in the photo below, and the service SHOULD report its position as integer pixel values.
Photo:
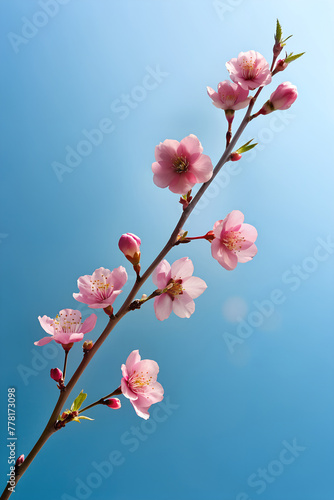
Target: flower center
(233, 241)
(66, 323)
(230, 100)
(139, 380)
(180, 164)
(174, 288)
(248, 69)
(100, 288)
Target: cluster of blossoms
(178, 166)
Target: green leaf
(246, 147)
(287, 38)
(77, 419)
(278, 35)
(78, 401)
(292, 57)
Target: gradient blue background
(232, 410)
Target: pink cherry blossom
(66, 327)
(139, 383)
(282, 98)
(234, 241)
(180, 165)
(182, 287)
(230, 96)
(129, 244)
(101, 288)
(250, 70)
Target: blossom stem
(116, 392)
(229, 134)
(196, 237)
(136, 304)
(65, 364)
(50, 428)
(272, 65)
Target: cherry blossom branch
(282, 98)
(50, 428)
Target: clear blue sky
(249, 376)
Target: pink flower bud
(20, 460)
(282, 98)
(113, 403)
(56, 374)
(235, 156)
(281, 65)
(129, 244)
(209, 236)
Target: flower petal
(242, 104)
(248, 232)
(218, 228)
(43, 341)
(153, 394)
(133, 359)
(215, 98)
(166, 150)
(141, 410)
(202, 168)
(182, 183)
(125, 372)
(225, 257)
(194, 286)
(88, 324)
(182, 268)
(127, 391)
(233, 219)
(118, 277)
(148, 367)
(105, 303)
(67, 338)
(85, 282)
(84, 297)
(247, 254)
(163, 174)
(161, 274)
(190, 147)
(46, 324)
(163, 306)
(183, 305)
